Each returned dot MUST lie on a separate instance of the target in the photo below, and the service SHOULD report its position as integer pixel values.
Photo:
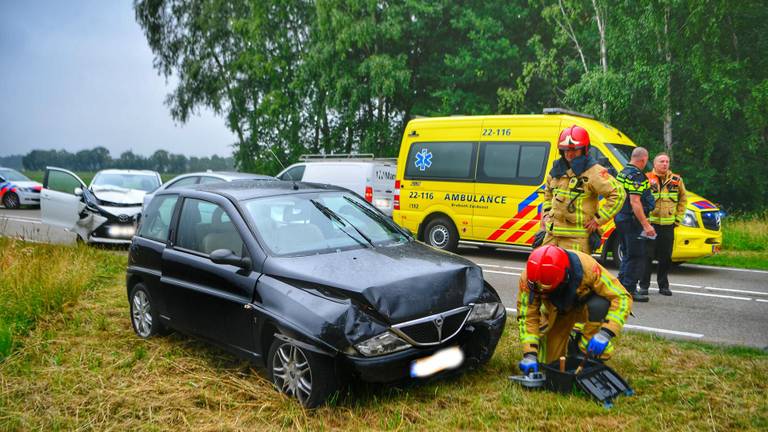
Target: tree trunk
(668, 98)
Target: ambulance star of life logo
(423, 159)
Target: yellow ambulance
(479, 180)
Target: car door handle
(247, 306)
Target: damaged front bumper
(477, 340)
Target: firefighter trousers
(584, 321)
(580, 244)
(661, 249)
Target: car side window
(184, 183)
(157, 218)
(296, 173)
(60, 181)
(209, 180)
(205, 227)
(518, 163)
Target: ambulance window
(599, 156)
(441, 161)
(512, 163)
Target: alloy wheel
(291, 372)
(141, 314)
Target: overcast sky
(76, 74)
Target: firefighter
(669, 191)
(632, 223)
(576, 291)
(570, 212)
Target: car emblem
(439, 324)
(123, 218)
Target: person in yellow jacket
(571, 209)
(573, 288)
(671, 200)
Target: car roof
(241, 190)
(232, 175)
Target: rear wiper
(330, 214)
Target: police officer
(669, 191)
(632, 223)
(573, 288)
(571, 190)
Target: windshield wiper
(330, 214)
(377, 217)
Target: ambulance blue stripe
(529, 199)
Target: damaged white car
(107, 211)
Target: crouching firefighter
(561, 291)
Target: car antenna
(276, 158)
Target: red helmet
(573, 138)
(546, 267)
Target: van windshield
(304, 224)
(623, 152)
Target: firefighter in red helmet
(571, 211)
(577, 293)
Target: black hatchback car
(310, 281)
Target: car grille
(711, 220)
(434, 329)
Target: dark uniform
(629, 229)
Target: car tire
(441, 233)
(300, 373)
(145, 318)
(11, 201)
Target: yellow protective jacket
(571, 200)
(595, 279)
(671, 198)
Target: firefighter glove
(598, 343)
(529, 364)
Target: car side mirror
(226, 256)
(78, 192)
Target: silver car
(193, 179)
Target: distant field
(85, 176)
(745, 242)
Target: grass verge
(745, 243)
(37, 280)
(85, 369)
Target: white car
(372, 179)
(17, 190)
(107, 211)
(200, 178)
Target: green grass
(39, 280)
(745, 243)
(82, 367)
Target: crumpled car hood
(131, 196)
(400, 282)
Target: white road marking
(501, 272)
(709, 295)
(647, 329)
(663, 331)
(18, 219)
(761, 300)
(725, 268)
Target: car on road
(106, 211)
(17, 190)
(369, 177)
(191, 180)
(310, 281)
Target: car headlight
(689, 219)
(384, 343)
(483, 311)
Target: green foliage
(346, 75)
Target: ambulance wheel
(616, 251)
(441, 233)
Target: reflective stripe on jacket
(671, 198)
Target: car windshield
(124, 181)
(13, 175)
(313, 223)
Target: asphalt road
(720, 305)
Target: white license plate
(446, 358)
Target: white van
(369, 177)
